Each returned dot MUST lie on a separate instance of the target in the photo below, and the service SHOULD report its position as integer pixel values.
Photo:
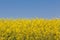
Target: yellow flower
(29, 29)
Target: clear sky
(29, 8)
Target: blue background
(29, 8)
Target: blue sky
(29, 8)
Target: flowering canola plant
(30, 29)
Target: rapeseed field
(30, 29)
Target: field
(30, 29)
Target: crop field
(30, 29)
